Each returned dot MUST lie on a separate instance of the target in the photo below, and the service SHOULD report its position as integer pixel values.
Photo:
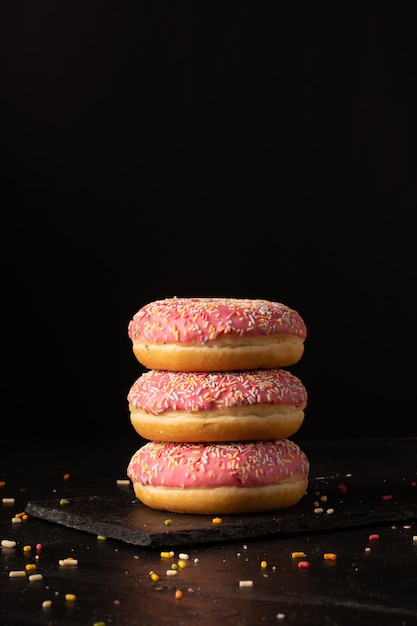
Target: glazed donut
(216, 334)
(219, 478)
(217, 406)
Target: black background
(260, 150)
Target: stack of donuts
(217, 406)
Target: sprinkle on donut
(158, 391)
(215, 464)
(199, 320)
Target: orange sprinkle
(66, 476)
(217, 520)
(330, 556)
(178, 594)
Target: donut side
(243, 423)
(221, 354)
(223, 500)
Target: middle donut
(217, 406)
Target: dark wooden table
(361, 507)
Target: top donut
(216, 334)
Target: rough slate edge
(134, 523)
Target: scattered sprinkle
(167, 555)
(303, 565)
(297, 555)
(46, 604)
(330, 556)
(387, 497)
(264, 564)
(66, 476)
(183, 556)
(30, 566)
(178, 594)
(69, 561)
(245, 583)
(374, 537)
(8, 500)
(168, 522)
(154, 576)
(17, 573)
(63, 501)
(70, 597)
(122, 481)
(217, 520)
(101, 538)
(34, 577)
(8, 543)
(16, 520)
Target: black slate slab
(330, 503)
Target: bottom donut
(219, 478)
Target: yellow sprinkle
(216, 520)
(330, 556)
(264, 564)
(101, 538)
(298, 555)
(30, 566)
(27, 548)
(63, 501)
(70, 597)
(154, 577)
(182, 564)
(167, 555)
(178, 594)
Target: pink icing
(185, 465)
(158, 391)
(190, 320)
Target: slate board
(122, 517)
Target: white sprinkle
(16, 520)
(329, 511)
(34, 577)
(122, 481)
(318, 509)
(245, 583)
(46, 604)
(183, 556)
(171, 572)
(280, 615)
(8, 543)
(17, 573)
(8, 500)
(68, 561)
